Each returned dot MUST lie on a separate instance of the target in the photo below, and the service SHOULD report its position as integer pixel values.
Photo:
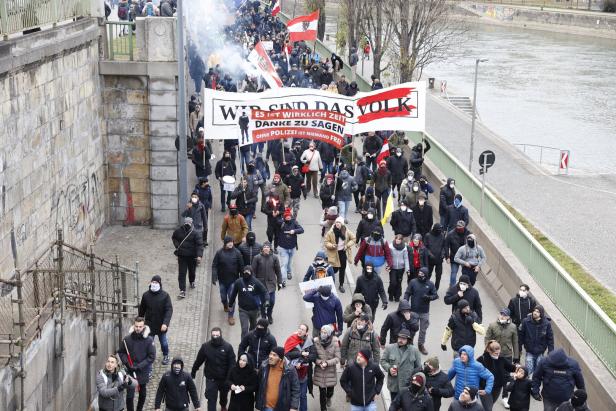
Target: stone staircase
(463, 103)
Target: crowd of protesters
(275, 372)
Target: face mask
(216, 340)
(410, 176)
(361, 326)
(403, 208)
(324, 337)
(398, 154)
(246, 276)
(194, 200)
(494, 357)
(415, 189)
(451, 185)
(234, 212)
(470, 242)
(457, 203)
(459, 229)
(376, 236)
(463, 287)
(422, 278)
(523, 294)
(369, 273)
(370, 216)
(227, 157)
(415, 388)
(421, 202)
(260, 331)
(155, 287)
(503, 321)
(407, 315)
(325, 298)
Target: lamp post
(182, 172)
(470, 159)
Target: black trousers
(438, 267)
(324, 394)
(395, 283)
(343, 264)
(212, 389)
(130, 396)
(186, 264)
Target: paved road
(153, 249)
(576, 211)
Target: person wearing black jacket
(368, 225)
(420, 292)
(435, 245)
(287, 395)
(422, 211)
(245, 200)
(446, 196)
(218, 358)
(250, 292)
(327, 192)
(197, 211)
(224, 167)
(137, 353)
(371, 287)
(226, 267)
(437, 382)
(250, 248)
(464, 290)
(403, 317)
(500, 367)
(372, 147)
(455, 239)
(521, 305)
(417, 156)
(188, 245)
(176, 388)
(201, 155)
(363, 380)
(258, 343)
(295, 182)
(398, 167)
(462, 327)
(243, 383)
(156, 308)
(403, 221)
(456, 212)
(328, 156)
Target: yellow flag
(389, 208)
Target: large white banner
(401, 107)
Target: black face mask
(260, 332)
(422, 278)
(369, 273)
(414, 388)
(376, 237)
(233, 212)
(227, 157)
(216, 341)
(471, 243)
(250, 240)
(246, 276)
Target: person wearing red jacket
(374, 250)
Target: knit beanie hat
(578, 398)
(366, 353)
(279, 351)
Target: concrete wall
(51, 164)
(140, 99)
(504, 273)
(64, 383)
(595, 24)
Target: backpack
(122, 13)
(149, 9)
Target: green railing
(21, 15)
(597, 329)
(120, 40)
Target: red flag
(384, 152)
(304, 27)
(276, 8)
(259, 57)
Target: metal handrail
(120, 38)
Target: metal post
(136, 296)
(118, 298)
(182, 173)
(124, 290)
(130, 41)
(22, 341)
(4, 21)
(483, 184)
(295, 5)
(540, 154)
(470, 158)
(93, 351)
(60, 273)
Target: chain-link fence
(64, 278)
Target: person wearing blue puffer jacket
(327, 309)
(468, 372)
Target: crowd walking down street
(332, 289)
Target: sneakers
(329, 402)
(231, 321)
(289, 276)
(270, 319)
(341, 288)
(182, 294)
(225, 307)
(192, 285)
(397, 299)
(506, 403)
(422, 349)
(391, 298)
(165, 360)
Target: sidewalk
(562, 207)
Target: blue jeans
(270, 309)
(246, 156)
(164, 343)
(343, 208)
(248, 218)
(303, 397)
(286, 261)
(225, 293)
(532, 361)
(328, 168)
(454, 273)
(257, 146)
(369, 407)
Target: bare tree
(378, 29)
(352, 17)
(424, 31)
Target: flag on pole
(259, 57)
(303, 27)
(286, 52)
(389, 208)
(384, 152)
(276, 8)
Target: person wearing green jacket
(399, 360)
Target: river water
(544, 88)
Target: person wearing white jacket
(313, 164)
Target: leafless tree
(424, 32)
(375, 25)
(353, 15)
(313, 5)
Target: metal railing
(22, 15)
(556, 4)
(120, 40)
(534, 150)
(597, 329)
(63, 279)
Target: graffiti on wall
(74, 205)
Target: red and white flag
(276, 8)
(259, 57)
(303, 27)
(384, 152)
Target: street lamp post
(182, 172)
(470, 158)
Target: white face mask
(155, 286)
(403, 208)
(398, 154)
(370, 216)
(523, 294)
(463, 287)
(325, 298)
(421, 202)
(451, 185)
(194, 200)
(415, 188)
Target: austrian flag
(303, 27)
(276, 7)
(259, 57)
